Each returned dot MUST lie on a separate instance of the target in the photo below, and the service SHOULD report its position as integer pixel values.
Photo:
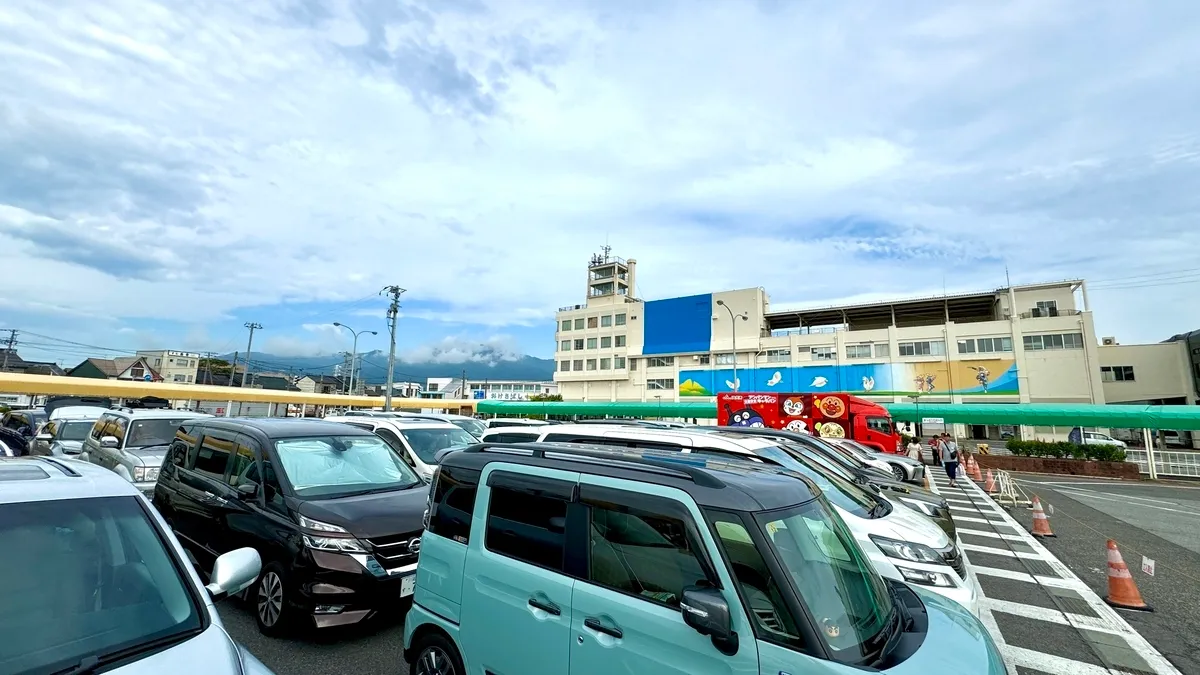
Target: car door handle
(210, 498)
(545, 606)
(598, 626)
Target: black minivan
(333, 511)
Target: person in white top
(914, 449)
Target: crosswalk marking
(1052, 616)
(1001, 551)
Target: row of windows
(604, 321)
(1116, 374)
(985, 345)
(923, 348)
(580, 365)
(181, 378)
(579, 344)
(494, 386)
(1057, 341)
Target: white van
(416, 440)
(901, 543)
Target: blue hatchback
(547, 559)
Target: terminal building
(1028, 343)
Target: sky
(170, 171)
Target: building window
(660, 384)
(606, 321)
(605, 342)
(593, 322)
(633, 364)
(605, 364)
(883, 351)
(619, 340)
(137, 373)
(966, 346)
(1116, 373)
(992, 345)
(579, 344)
(660, 361)
(858, 351)
(578, 324)
(178, 378)
(823, 353)
(619, 363)
(1046, 308)
(591, 364)
(189, 378)
(564, 366)
(620, 319)
(591, 343)
(705, 359)
(566, 345)
(726, 359)
(778, 355)
(923, 348)
(566, 325)
(577, 365)
(1058, 341)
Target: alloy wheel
(434, 661)
(898, 472)
(270, 599)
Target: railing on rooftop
(600, 261)
(807, 330)
(571, 308)
(1047, 313)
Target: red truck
(833, 415)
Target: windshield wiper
(91, 662)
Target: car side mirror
(45, 437)
(247, 490)
(233, 573)
(705, 610)
(109, 442)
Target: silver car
(95, 582)
(903, 467)
(133, 443)
(63, 436)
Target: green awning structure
(697, 409)
(1175, 417)
(1179, 417)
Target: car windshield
(337, 466)
(87, 577)
(841, 493)
(836, 464)
(473, 427)
(74, 430)
(146, 433)
(859, 447)
(428, 442)
(843, 592)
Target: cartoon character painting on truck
(829, 415)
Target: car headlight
(907, 550)
(925, 578)
(341, 541)
(142, 474)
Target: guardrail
(1169, 463)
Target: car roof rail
(62, 467)
(680, 468)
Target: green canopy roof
(1181, 417)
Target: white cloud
(307, 151)
(462, 349)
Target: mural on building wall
(991, 377)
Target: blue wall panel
(678, 325)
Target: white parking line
(1056, 582)
(992, 535)
(1001, 551)
(979, 520)
(1076, 492)
(1049, 663)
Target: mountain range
(482, 364)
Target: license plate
(407, 584)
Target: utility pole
(464, 383)
(393, 313)
(233, 370)
(12, 343)
(249, 343)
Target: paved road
(374, 649)
(1158, 520)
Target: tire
(899, 472)
(436, 655)
(270, 601)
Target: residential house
(134, 368)
(174, 366)
(321, 384)
(399, 389)
(13, 363)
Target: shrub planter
(1071, 467)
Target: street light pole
(354, 353)
(733, 329)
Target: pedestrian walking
(914, 449)
(935, 448)
(949, 454)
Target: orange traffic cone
(975, 474)
(991, 484)
(1122, 592)
(1041, 524)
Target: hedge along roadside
(1065, 449)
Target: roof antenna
(1007, 280)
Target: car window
(426, 443)
(243, 469)
(117, 427)
(334, 466)
(527, 519)
(213, 456)
(272, 492)
(72, 430)
(881, 424)
(513, 437)
(90, 577)
(473, 427)
(394, 441)
(645, 552)
(152, 432)
(453, 503)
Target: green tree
(545, 397)
(215, 366)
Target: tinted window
(73, 430)
(513, 437)
(147, 433)
(527, 519)
(643, 552)
(473, 427)
(453, 503)
(243, 469)
(213, 456)
(86, 577)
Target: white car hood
(902, 524)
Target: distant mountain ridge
(373, 366)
